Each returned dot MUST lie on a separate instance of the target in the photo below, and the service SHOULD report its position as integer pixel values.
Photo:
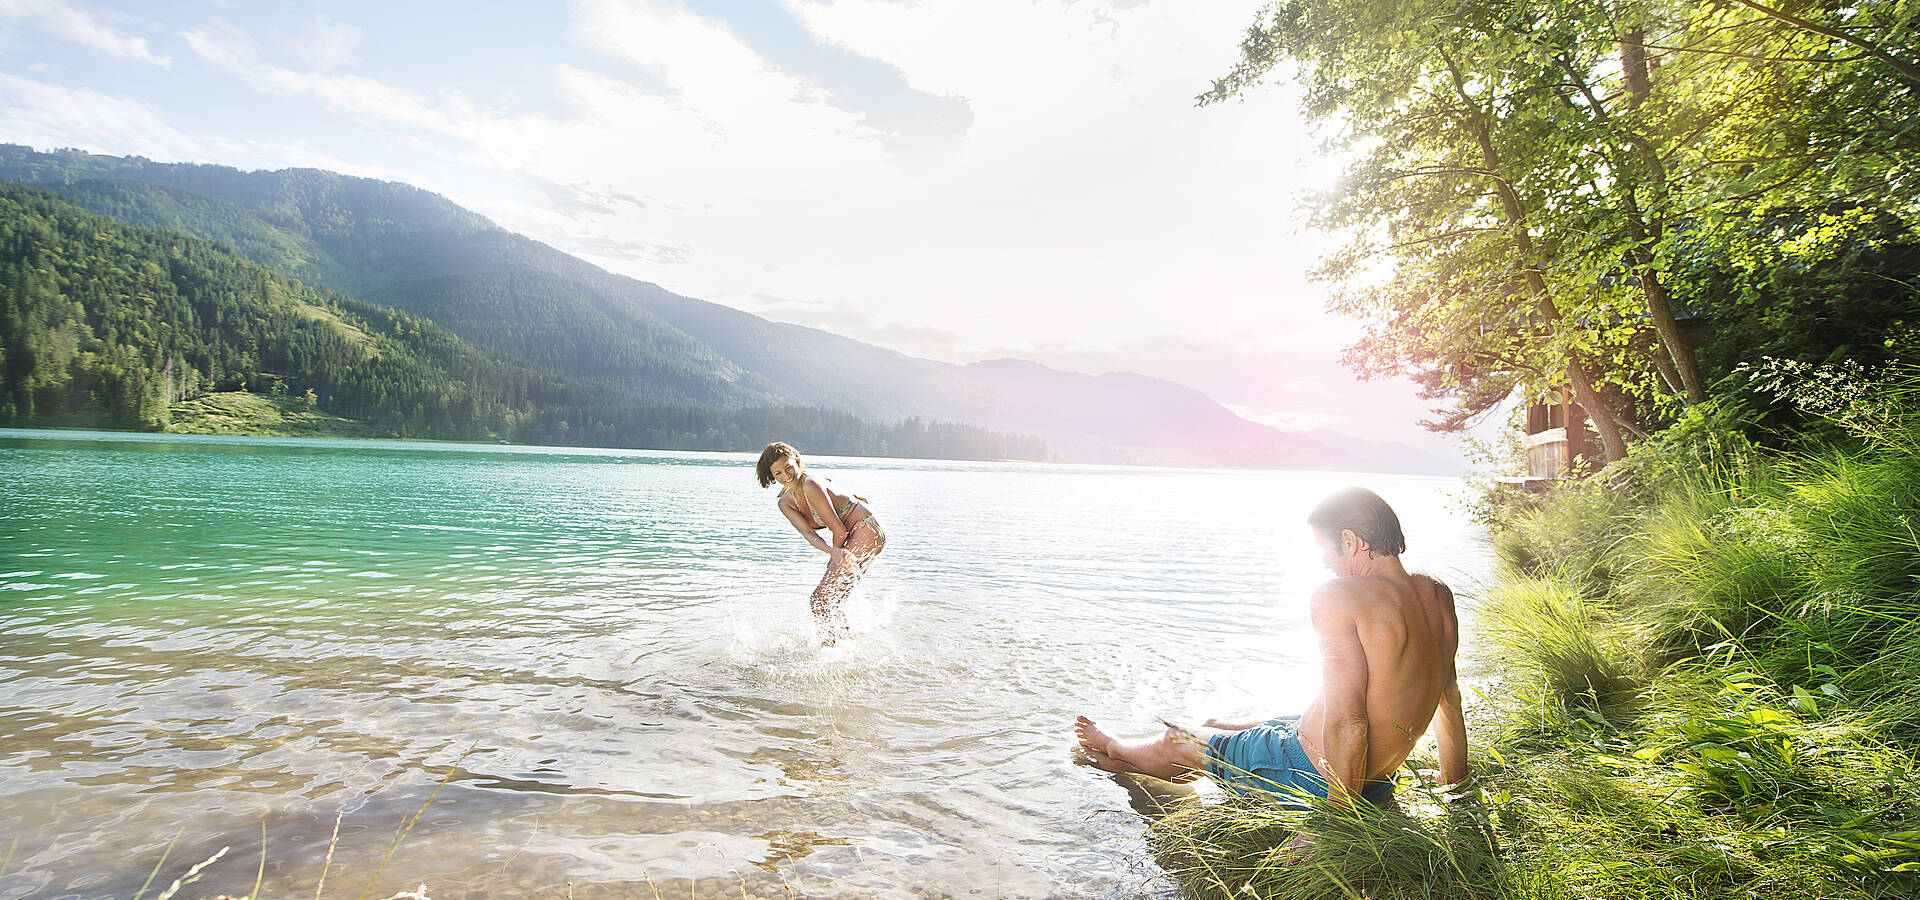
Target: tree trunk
(1669, 378)
(1633, 64)
(1660, 309)
(1612, 444)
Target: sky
(954, 179)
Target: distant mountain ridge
(104, 324)
(399, 246)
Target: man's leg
(1173, 755)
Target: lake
(600, 667)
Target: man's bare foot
(1090, 736)
(1095, 744)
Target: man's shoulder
(1441, 592)
(1370, 595)
(1343, 595)
(1358, 587)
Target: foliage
(1811, 286)
(1548, 192)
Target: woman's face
(786, 470)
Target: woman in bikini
(855, 535)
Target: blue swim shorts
(1268, 757)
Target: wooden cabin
(1559, 442)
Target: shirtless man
(1387, 642)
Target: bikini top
(840, 513)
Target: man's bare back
(1387, 643)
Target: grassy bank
(239, 412)
(1709, 686)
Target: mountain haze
(108, 324)
(414, 251)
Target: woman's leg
(863, 544)
(866, 541)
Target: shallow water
(603, 663)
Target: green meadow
(239, 412)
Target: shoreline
(1061, 464)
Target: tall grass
(1238, 849)
(1564, 654)
(1813, 572)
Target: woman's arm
(818, 499)
(800, 524)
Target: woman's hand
(840, 556)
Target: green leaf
(1807, 702)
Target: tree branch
(1758, 57)
(1907, 70)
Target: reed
(194, 873)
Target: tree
(1528, 177)
(1456, 241)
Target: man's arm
(1449, 718)
(1450, 731)
(1229, 725)
(1343, 691)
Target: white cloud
(324, 43)
(46, 115)
(1092, 199)
(82, 28)
(228, 47)
(729, 138)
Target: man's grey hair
(1361, 511)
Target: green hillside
(108, 325)
(172, 209)
(416, 252)
(569, 328)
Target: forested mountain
(360, 238)
(103, 324)
(416, 252)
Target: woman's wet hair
(775, 450)
(1361, 511)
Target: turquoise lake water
(604, 662)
